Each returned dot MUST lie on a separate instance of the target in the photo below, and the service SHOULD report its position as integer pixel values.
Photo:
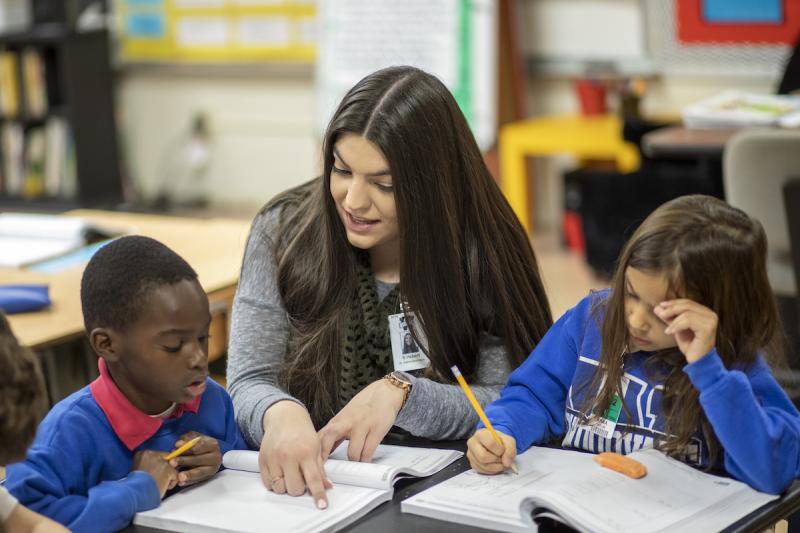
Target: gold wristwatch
(401, 382)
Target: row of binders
(23, 87)
(38, 161)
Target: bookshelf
(58, 137)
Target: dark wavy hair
(119, 275)
(466, 265)
(716, 255)
(23, 397)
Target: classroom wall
(262, 131)
(263, 125)
(569, 32)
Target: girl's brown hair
(711, 253)
(466, 263)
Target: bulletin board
(738, 21)
(748, 38)
(217, 31)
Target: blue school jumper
(544, 399)
(78, 471)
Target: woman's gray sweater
(258, 340)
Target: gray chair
(757, 165)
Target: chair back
(757, 163)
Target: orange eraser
(623, 465)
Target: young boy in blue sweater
(98, 457)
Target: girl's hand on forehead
(198, 463)
(694, 326)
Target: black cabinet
(58, 137)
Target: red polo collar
(131, 425)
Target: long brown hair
(715, 255)
(466, 263)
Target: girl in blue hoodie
(674, 356)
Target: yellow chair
(585, 137)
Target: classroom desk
(683, 143)
(585, 137)
(213, 247)
(388, 517)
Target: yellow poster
(217, 31)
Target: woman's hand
(694, 326)
(486, 456)
(289, 457)
(365, 420)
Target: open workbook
(236, 500)
(572, 488)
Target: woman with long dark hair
(404, 231)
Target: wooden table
(213, 247)
(682, 143)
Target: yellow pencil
(479, 410)
(185, 448)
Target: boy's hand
(153, 463)
(694, 326)
(198, 463)
(486, 456)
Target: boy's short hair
(23, 397)
(121, 273)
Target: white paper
(190, 4)
(388, 464)
(202, 31)
(238, 501)
(358, 37)
(264, 31)
(671, 497)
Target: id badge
(406, 352)
(605, 426)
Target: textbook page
(671, 497)
(235, 500)
(493, 502)
(389, 464)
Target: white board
(452, 39)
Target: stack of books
(737, 109)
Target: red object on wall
(692, 29)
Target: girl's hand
(486, 456)
(198, 463)
(365, 420)
(694, 326)
(289, 458)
